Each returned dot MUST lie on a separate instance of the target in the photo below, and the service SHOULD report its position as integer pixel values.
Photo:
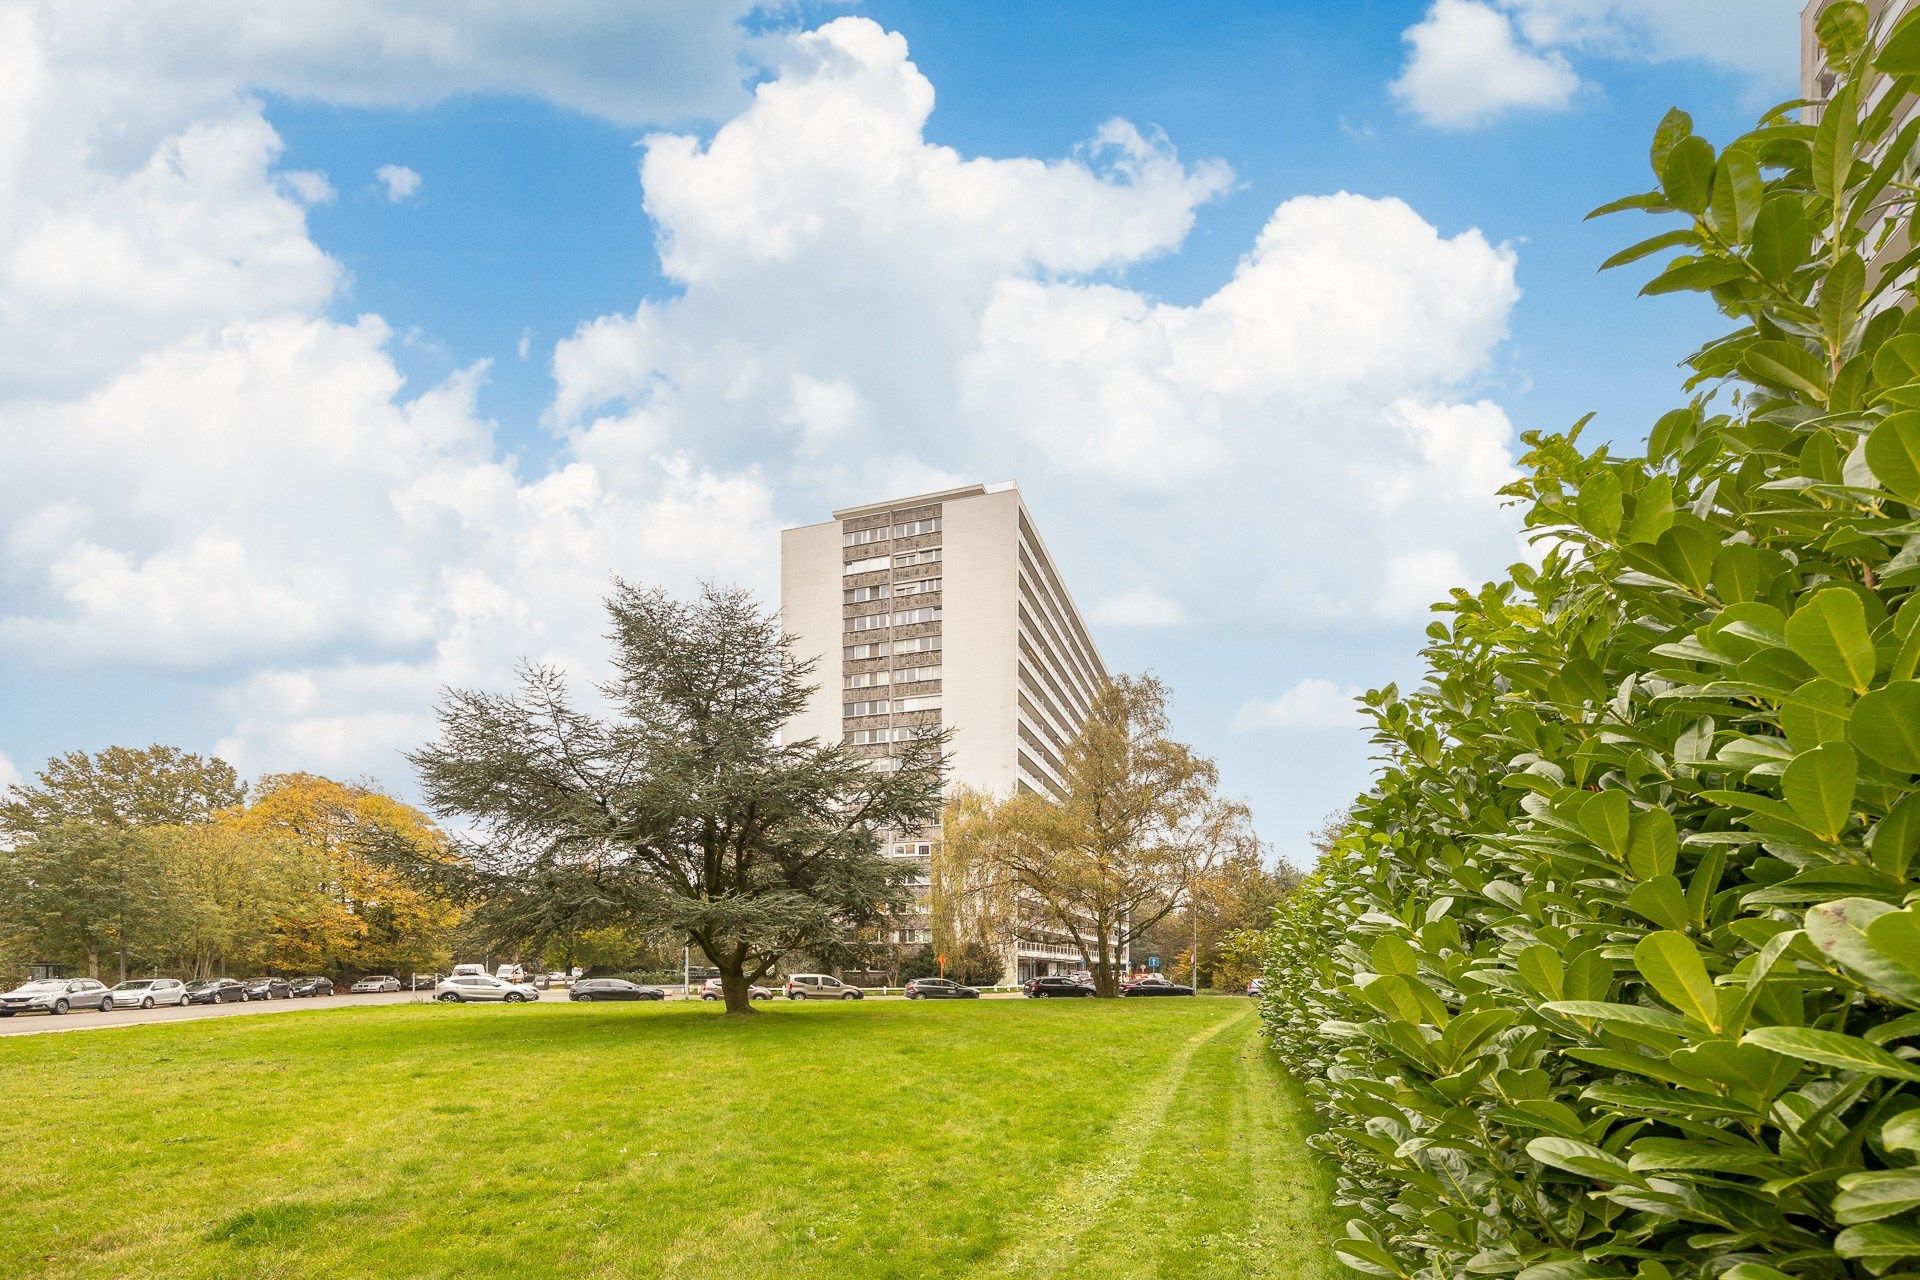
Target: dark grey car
(56, 995)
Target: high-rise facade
(944, 611)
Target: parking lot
(23, 1024)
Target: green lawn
(997, 1138)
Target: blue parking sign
(1153, 962)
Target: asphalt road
(26, 1024)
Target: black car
(268, 989)
(1154, 987)
(313, 986)
(216, 991)
(940, 989)
(1056, 985)
(614, 989)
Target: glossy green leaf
(1819, 785)
(1893, 451)
(1781, 240)
(1842, 930)
(1885, 726)
(1832, 1049)
(1829, 632)
(1652, 844)
(1686, 174)
(1672, 966)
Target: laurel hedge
(1616, 969)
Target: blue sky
(289, 447)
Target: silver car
(56, 995)
(379, 983)
(145, 993)
(479, 986)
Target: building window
(925, 555)
(921, 850)
(871, 622)
(918, 586)
(865, 679)
(914, 675)
(868, 565)
(907, 617)
(861, 537)
(912, 528)
(855, 652)
(876, 707)
(860, 595)
(868, 737)
(928, 703)
(918, 644)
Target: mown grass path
(990, 1140)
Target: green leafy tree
(1615, 971)
(1140, 821)
(122, 787)
(78, 878)
(682, 805)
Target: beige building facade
(944, 611)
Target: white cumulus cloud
(1311, 704)
(1468, 67)
(206, 471)
(401, 182)
(1474, 61)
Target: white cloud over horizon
(1312, 704)
(1472, 62)
(208, 474)
(1468, 67)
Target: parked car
(1255, 987)
(940, 989)
(511, 973)
(1057, 985)
(710, 990)
(423, 981)
(462, 987)
(268, 988)
(463, 969)
(315, 986)
(819, 986)
(145, 993)
(380, 982)
(1154, 985)
(215, 991)
(614, 989)
(56, 995)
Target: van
(511, 973)
(819, 986)
(469, 971)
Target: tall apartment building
(944, 611)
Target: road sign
(1153, 962)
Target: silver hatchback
(146, 993)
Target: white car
(375, 985)
(462, 987)
(145, 993)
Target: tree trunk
(735, 988)
(1105, 983)
(93, 961)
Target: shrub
(1614, 972)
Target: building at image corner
(944, 610)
